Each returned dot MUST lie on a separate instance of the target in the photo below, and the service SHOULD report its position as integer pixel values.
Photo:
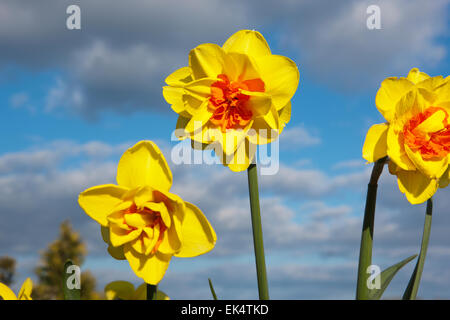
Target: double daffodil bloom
(416, 136)
(24, 292)
(233, 97)
(124, 290)
(141, 220)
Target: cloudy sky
(72, 101)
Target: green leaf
(71, 281)
(413, 285)
(386, 276)
(213, 292)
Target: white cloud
(298, 137)
(309, 232)
(120, 59)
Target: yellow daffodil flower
(141, 220)
(124, 290)
(24, 292)
(416, 136)
(233, 97)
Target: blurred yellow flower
(24, 293)
(416, 136)
(233, 97)
(141, 220)
(124, 290)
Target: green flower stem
(151, 291)
(365, 253)
(258, 244)
(413, 285)
(211, 287)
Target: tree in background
(7, 270)
(50, 270)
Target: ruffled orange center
(144, 218)
(429, 133)
(229, 105)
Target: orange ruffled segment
(431, 145)
(229, 104)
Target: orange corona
(434, 144)
(229, 104)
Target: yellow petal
(391, 91)
(162, 209)
(241, 67)
(25, 290)
(198, 235)
(137, 220)
(207, 61)
(443, 92)
(192, 105)
(115, 252)
(180, 131)
(259, 102)
(285, 116)
(174, 96)
(143, 195)
(432, 84)
(122, 290)
(396, 150)
(199, 120)
(249, 42)
(150, 268)
(264, 129)
(280, 76)
(232, 139)
(416, 76)
(241, 158)
(171, 243)
(200, 89)
(144, 165)
(6, 293)
(120, 236)
(417, 187)
(141, 244)
(430, 168)
(176, 207)
(412, 103)
(433, 123)
(375, 145)
(180, 77)
(444, 180)
(393, 168)
(150, 242)
(99, 201)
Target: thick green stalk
(151, 291)
(413, 285)
(365, 252)
(258, 244)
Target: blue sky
(73, 101)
